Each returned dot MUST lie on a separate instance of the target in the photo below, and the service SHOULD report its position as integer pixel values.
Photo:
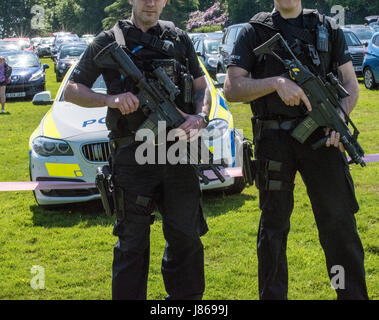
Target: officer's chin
(150, 17)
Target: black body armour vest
(266, 25)
(147, 52)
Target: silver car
(356, 50)
(71, 142)
(364, 33)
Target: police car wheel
(237, 187)
(369, 80)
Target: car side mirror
(46, 66)
(42, 99)
(199, 53)
(366, 44)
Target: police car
(71, 142)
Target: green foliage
(91, 16)
(78, 16)
(118, 10)
(207, 29)
(243, 10)
(15, 18)
(177, 11)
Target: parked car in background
(67, 56)
(207, 50)
(88, 38)
(371, 63)
(216, 34)
(71, 142)
(58, 45)
(25, 43)
(36, 41)
(364, 33)
(28, 74)
(372, 19)
(60, 33)
(9, 46)
(195, 36)
(356, 50)
(68, 43)
(45, 46)
(226, 46)
(59, 39)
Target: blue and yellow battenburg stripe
(219, 110)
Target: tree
(178, 11)
(15, 18)
(118, 10)
(243, 10)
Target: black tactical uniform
(174, 189)
(325, 171)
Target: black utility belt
(277, 124)
(116, 143)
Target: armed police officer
(277, 104)
(174, 189)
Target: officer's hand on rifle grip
(192, 128)
(291, 94)
(126, 102)
(334, 137)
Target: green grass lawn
(75, 245)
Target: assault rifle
(324, 96)
(156, 98)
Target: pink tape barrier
(369, 158)
(43, 185)
(61, 185)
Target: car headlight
(212, 62)
(61, 66)
(51, 147)
(36, 76)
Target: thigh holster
(263, 179)
(133, 208)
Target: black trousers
(175, 190)
(330, 188)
